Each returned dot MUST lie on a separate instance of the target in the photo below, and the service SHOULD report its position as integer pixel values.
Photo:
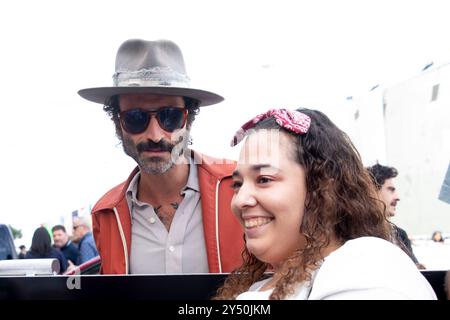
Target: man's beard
(156, 165)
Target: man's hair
(380, 174)
(340, 204)
(59, 227)
(112, 108)
(22, 247)
(83, 221)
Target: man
(172, 215)
(83, 235)
(383, 178)
(62, 242)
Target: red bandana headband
(293, 121)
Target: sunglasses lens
(171, 119)
(135, 121)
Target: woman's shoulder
(373, 268)
(365, 250)
(368, 241)
(369, 253)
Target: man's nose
(154, 132)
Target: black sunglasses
(136, 121)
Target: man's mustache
(155, 146)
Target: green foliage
(17, 233)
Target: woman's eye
(236, 185)
(264, 180)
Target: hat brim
(102, 94)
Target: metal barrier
(29, 267)
(134, 287)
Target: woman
(41, 248)
(310, 215)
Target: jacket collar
(216, 168)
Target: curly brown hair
(340, 205)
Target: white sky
(59, 152)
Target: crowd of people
(298, 216)
(70, 251)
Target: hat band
(154, 77)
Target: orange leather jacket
(111, 220)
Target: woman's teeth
(256, 222)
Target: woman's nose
(245, 197)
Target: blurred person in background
(83, 235)
(23, 252)
(62, 242)
(41, 248)
(437, 237)
(383, 178)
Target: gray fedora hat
(155, 67)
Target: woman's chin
(260, 252)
